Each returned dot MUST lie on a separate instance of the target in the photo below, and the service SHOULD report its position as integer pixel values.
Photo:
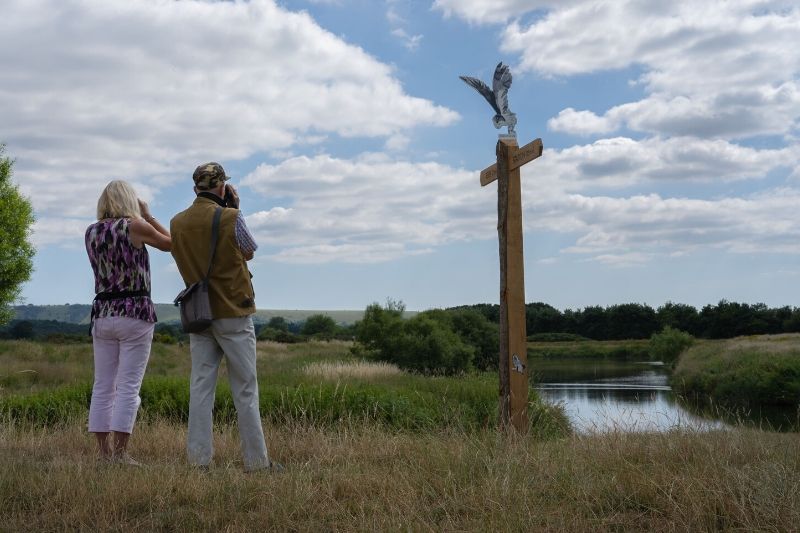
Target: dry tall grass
(362, 478)
(33, 366)
(363, 370)
(783, 343)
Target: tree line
(640, 321)
(543, 321)
(278, 329)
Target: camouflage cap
(209, 175)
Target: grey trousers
(235, 339)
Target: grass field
(362, 477)
(366, 472)
(315, 382)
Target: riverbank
(753, 371)
(362, 477)
(635, 349)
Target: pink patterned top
(119, 266)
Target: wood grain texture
(513, 381)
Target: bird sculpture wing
(501, 83)
(482, 88)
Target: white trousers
(121, 350)
(235, 339)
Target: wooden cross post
(513, 339)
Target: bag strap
(214, 236)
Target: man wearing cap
(232, 303)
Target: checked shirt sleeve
(243, 236)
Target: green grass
(628, 349)
(60, 390)
(467, 405)
(746, 371)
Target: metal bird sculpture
(497, 97)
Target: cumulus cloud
(346, 253)
(711, 69)
(399, 25)
(636, 228)
(375, 208)
(581, 122)
(143, 90)
(411, 42)
(367, 209)
(57, 230)
(623, 162)
(490, 11)
(714, 75)
(397, 142)
(733, 114)
(715, 40)
(624, 260)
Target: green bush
(425, 343)
(376, 332)
(667, 345)
(279, 335)
(319, 325)
(480, 333)
(279, 323)
(427, 346)
(164, 338)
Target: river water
(607, 395)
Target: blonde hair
(118, 200)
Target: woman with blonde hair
(123, 316)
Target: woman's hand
(144, 209)
(147, 230)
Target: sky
(670, 171)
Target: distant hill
(70, 313)
(79, 313)
(299, 315)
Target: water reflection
(608, 395)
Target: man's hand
(231, 196)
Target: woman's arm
(148, 230)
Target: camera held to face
(231, 197)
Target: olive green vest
(230, 290)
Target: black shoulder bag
(195, 305)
